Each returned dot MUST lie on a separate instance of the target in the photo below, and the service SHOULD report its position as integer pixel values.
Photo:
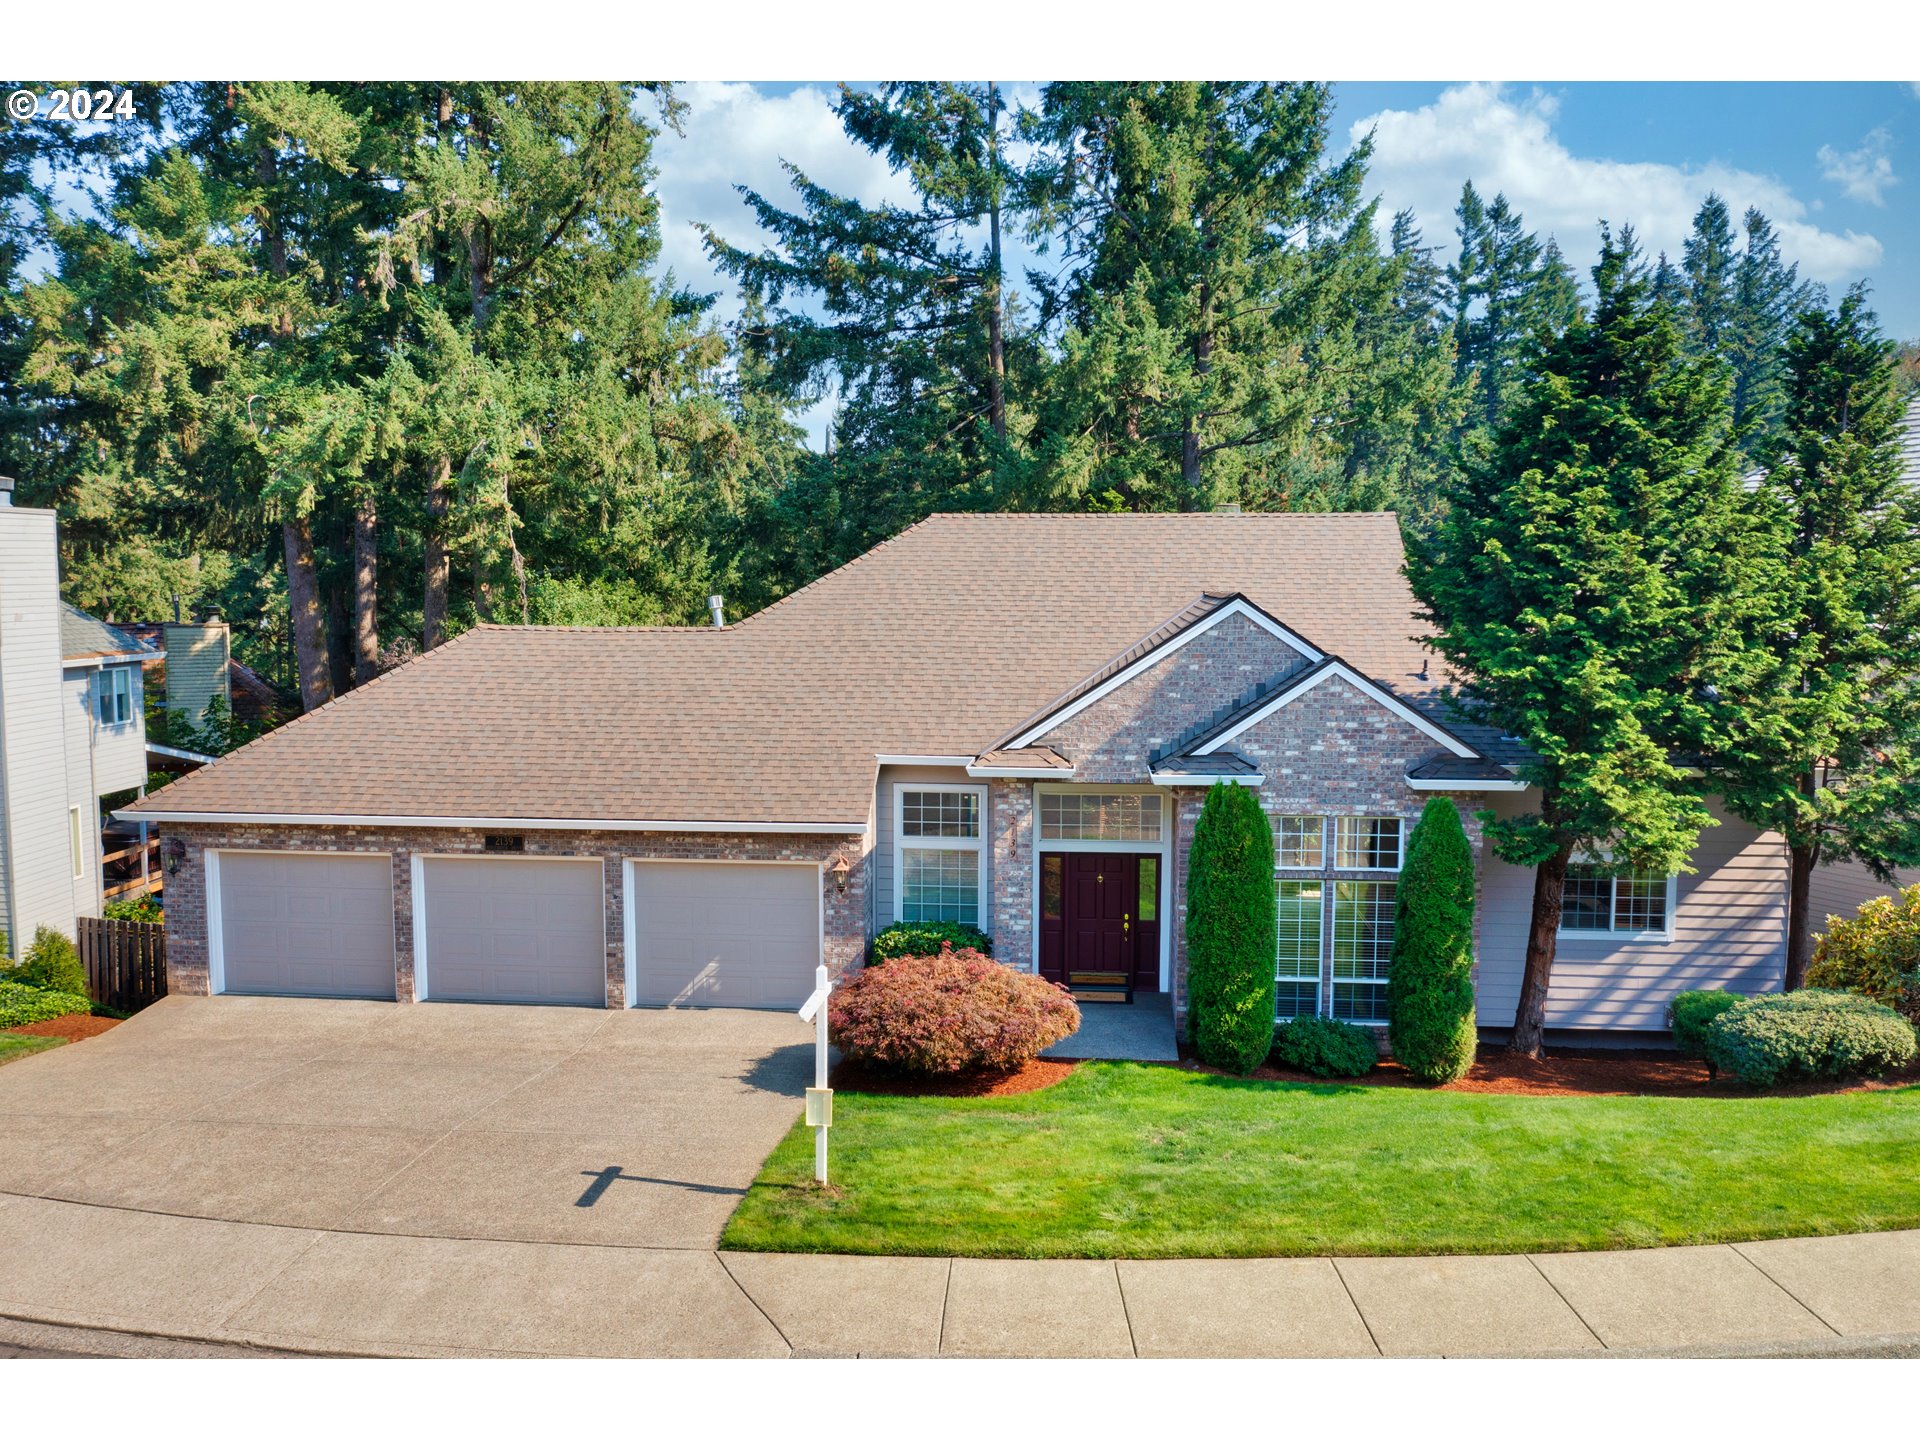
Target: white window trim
(112, 684)
(1333, 846)
(902, 842)
(1351, 877)
(1359, 682)
(1611, 935)
(76, 842)
(1297, 876)
(1284, 871)
(1163, 847)
(1329, 874)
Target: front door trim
(1169, 821)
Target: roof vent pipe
(6, 489)
(717, 606)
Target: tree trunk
(1549, 891)
(439, 565)
(308, 617)
(366, 619)
(1801, 860)
(996, 340)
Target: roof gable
(1331, 668)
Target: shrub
(927, 937)
(945, 1013)
(51, 963)
(26, 1004)
(1690, 1013)
(1875, 953)
(1231, 931)
(1325, 1047)
(143, 909)
(1430, 972)
(1808, 1035)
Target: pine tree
(1232, 931)
(1430, 973)
(1826, 750)
(1589, 579)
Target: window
(113, 695)
(76, 842)
(1097, 815)
(1596, 903)
(1366, 842)
(1299, 842)
(1296, 969)
(1362, 946)
(941, 847)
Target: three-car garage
(514, 929)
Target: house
(1842, 889)
(193, 662)
(1007, 720)
(72, 730)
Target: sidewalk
(339, 1292)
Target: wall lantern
(838, 869)
(172, 852)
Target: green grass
(1145, 1161)
(18, 1047)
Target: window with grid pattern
(1596, 903)
(940, 885)
(1299, 842)
(1362, 947)
(1297, 964)
(953, 814)
(1097, 816)
(1366, 842)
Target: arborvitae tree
(1232, 931)
(1587, 582)
(1827, 750)
(1430, 975)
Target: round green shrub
(925, 937)
(1875, 953)
(28, 1004)
(1319, 1046)
(1808, 1035)
(1232, 931)
(1690, 1013)
(948, 1013)
(51, 963)
(1430, 972)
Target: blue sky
(1832, 164)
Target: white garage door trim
(216, 939)
(629, 921)
(421, 984)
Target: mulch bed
(68, 1027)
(1034, 1075)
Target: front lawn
(16, 1047)
(1149, 1161)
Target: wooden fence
(125, 961)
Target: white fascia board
(1367, 688)
(172, 753)
(1181, 782)
(1465, 786)
(948, 760)
(496, 822)
(1009, 772)
(1154, 657)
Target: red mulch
(1629, 1072)
(68, 1027)
(1034, 1075)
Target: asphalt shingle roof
(933, 643)
(84, 638)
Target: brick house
(1006, 720)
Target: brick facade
(1010, 806)
(186, 896)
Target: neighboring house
(71, 731)
(1007, 720)
(1842, 889)
(194, 663)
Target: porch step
(1097, 977)
(1102, 997)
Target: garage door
(526, 932)
(712, 934)
(306, 925)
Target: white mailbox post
(819, 1097)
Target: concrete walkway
(1142, 1030)
(332, 1292)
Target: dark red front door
(1100, 915)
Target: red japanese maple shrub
(947, 1013)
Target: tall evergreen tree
(1587, 583)
(1709, 262)
(1827, 749)
(1768, 294)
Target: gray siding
(120, 751)
(77, 727)
(1840, 890)
(36, 882)
(1729, 932)
(196, 667)
(892, 777)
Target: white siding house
(71, 730)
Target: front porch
(1142, 1030)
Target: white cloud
(1506, 144)
(1862, 174)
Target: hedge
(1690, 1013)
(1430, 969)
(1808, 1035)
(1232, 931)
(926, 937)
(1325, 1047)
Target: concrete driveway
(472, 1122)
